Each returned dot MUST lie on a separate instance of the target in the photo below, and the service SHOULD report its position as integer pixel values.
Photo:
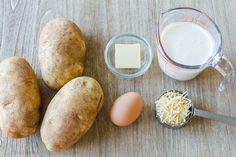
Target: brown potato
(61, 52)
(19, 98)
(71, 113)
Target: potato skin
(19, 98)
(71, 113)
(61, 52)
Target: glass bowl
(146, 55)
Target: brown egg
(126, 109)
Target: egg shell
(126, 109)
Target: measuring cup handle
(214, 116)
(224, 66)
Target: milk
(188, 44)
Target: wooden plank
(20, 24)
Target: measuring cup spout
(226, 69)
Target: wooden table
(99, 20)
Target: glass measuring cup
(183, 72)
(197, 112)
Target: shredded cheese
(173, 108)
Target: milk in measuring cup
(188, 44)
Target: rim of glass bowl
(144, 67)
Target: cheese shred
(173, 108)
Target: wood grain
(20, 25)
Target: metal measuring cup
(196, 112)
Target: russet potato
(61, 52)
(71, 113)
(19, 98)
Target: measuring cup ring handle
(225, 68)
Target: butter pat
(127, 56)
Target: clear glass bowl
(146, 55)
